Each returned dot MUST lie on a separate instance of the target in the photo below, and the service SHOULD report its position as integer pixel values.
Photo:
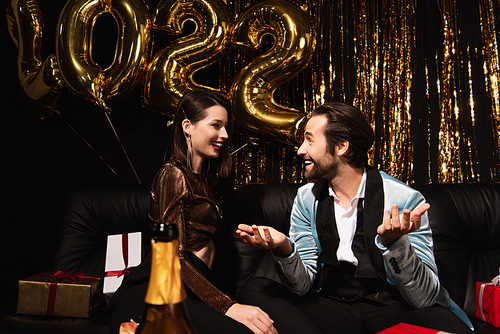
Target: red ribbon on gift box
(126, 270)
(60, 276)
(117, 273)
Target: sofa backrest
(465, 222)
(260, 204)
(90, 215)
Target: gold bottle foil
(165, 283)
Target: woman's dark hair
(193, 106)
(346, 122)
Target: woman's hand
(128, 327)
(265, 237)
(253, 317)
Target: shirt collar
(361, 189)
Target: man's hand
(265, 237)
(400, 225)
(253, 317)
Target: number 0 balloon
(74, 48)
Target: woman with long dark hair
(181, 195)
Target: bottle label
(165, 283)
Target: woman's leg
(207, 321)
(128, 301)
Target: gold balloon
(170, 74)
(255, 110)
(41, 81)
(74, 48)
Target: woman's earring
(188, 153)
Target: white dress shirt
(346, 223)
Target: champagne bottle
(165, 312)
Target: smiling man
(359, 257)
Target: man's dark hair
(346, 122)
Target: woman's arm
(169, 192)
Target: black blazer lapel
(373, 217)
(325, 224)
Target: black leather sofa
(465, 219)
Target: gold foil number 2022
(169, 74)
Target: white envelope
(115, 262)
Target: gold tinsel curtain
(426, 74)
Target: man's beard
(323, 169)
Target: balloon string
(88, 144)
(239, 148)
(123, 148)
(242, 146)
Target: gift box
(123, 252)
(60, 294)
(488, 301)
(403, 328)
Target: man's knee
(254, 287)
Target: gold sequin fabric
(183, 198)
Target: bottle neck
(165, 283)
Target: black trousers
(313, 314)
(128, 303)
